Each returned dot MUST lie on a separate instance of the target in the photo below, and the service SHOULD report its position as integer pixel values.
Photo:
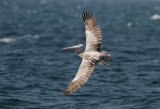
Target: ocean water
(34, 71)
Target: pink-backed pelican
(90, 56)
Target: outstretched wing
(84, 72)
(93, 32)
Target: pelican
(90, 55)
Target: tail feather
(104, 58)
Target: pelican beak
(72, 47)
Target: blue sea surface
(34, 71)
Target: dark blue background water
(33, 70)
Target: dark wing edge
(89, 19)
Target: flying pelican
(90, 56)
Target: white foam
(155, 61)
(7, 40)
(29, 35)
(155, 17)
(129, 24)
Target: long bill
(73, 47)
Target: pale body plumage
(90, 56)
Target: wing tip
(66, 92)
(87, 15)
(71, 88)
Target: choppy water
(33, 70)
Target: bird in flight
(90, 56)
